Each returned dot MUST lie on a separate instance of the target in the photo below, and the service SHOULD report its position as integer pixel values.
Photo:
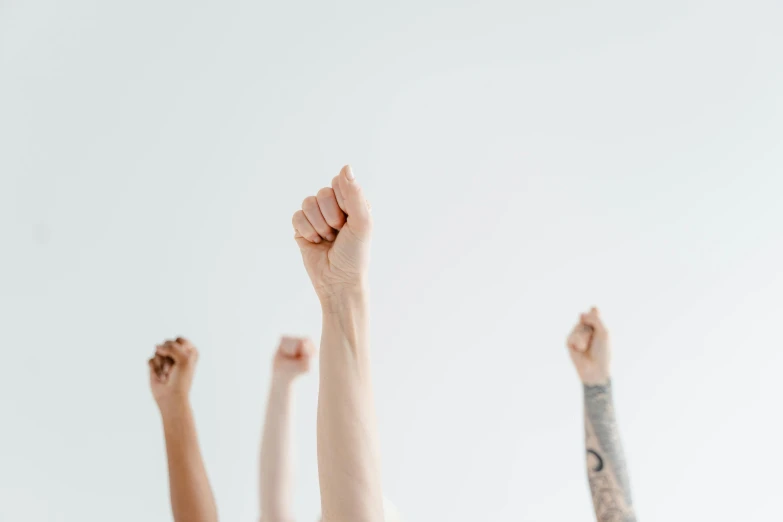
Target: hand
(171, 371)
(294, 357)
(589, 347)
(333, 232)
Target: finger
(338, 193)
(313, 214)
(304, 228)
(593, 320)
(185, 351)
(583, 326)
(156, 362)
(173, 350)
(154, 367)
(579, 340)
(288, 346)
(155, 373)
(333, 214)
(187, 346)
(165, 365)
(573, 339)
(163, 351)
(355, 203)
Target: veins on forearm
(607, 469)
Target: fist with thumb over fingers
(171, 371)
(588, 345)
(294, 357)
(333, 231)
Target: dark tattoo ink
(600, 464)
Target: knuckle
(324, 193)
(309, 202)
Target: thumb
(356, 207)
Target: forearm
(348, 462)
(606, 467)
(276, 466)
(191, 494)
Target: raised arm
(292, 359)
(171, 375)
(607, 472)
(333, 232)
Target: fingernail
(349, 173)
(317, 240)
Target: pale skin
(590, 350)
(171, 376)
(293, 358)
(333, 230)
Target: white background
(524, 161)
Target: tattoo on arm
(606, 467)
(600, 464)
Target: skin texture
(607, 471)
(171, 376)
(333, 231)
(293, 358)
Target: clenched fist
(294, 357)
(171, 371)
(589, 347)
(333, 231)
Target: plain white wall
(524, 161)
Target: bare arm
(276, 467)
(607, 472)
(333, 231)
(191, 494)
(348, 462)
(293, 358)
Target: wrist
(282, 379)
(604, 387)
(596, 378)
(174, 406)
(344, 298)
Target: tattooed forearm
(606, 467)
